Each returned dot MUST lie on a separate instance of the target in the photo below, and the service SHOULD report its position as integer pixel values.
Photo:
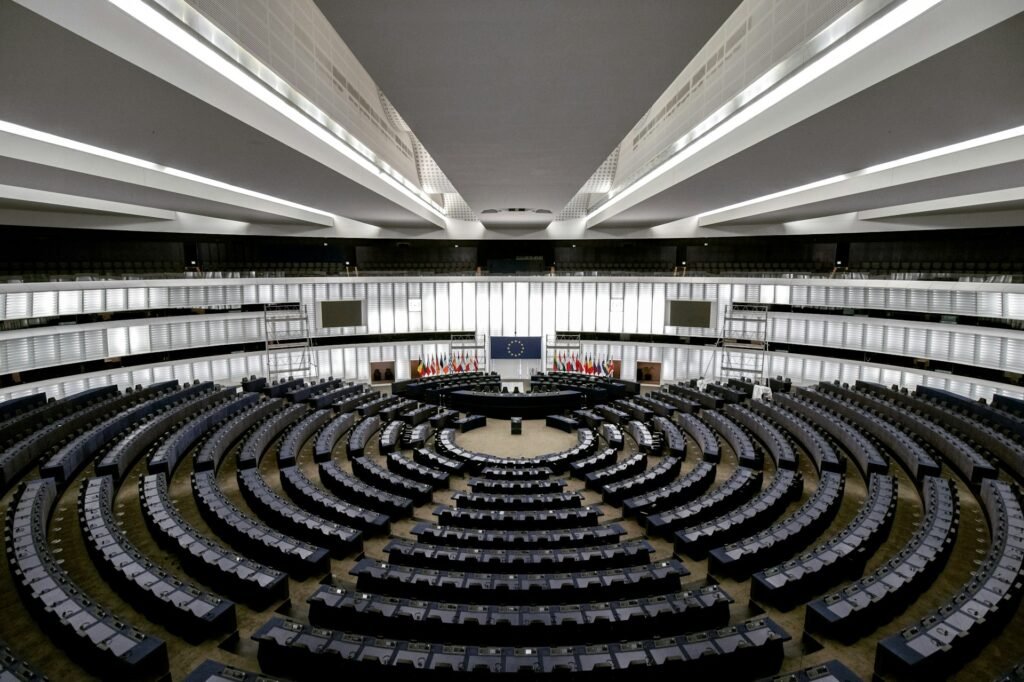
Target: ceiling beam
(815, 88)
(41, 148)
(28, 197)
(987, 151)
(958, 204)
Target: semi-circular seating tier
(561, 564)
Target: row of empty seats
(517, 574)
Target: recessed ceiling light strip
(186, 28)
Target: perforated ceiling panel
(432, 178)
(598, 184)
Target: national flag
(476, 365)
(579, 365)
(458, 362)
(419, 367)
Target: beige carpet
(496, 439)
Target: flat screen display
(343, 313)
(688, 314)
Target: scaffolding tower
(742, 348)
(467, 345)
(289, 347)
(559, 343)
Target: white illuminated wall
(533, 306)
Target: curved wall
(524, 306)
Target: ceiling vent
(540, 211)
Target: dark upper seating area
(69, 255)
(196, 510)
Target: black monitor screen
(689, 314)
(342, 314)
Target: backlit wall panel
(536, 306)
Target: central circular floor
(496, 439)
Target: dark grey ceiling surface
(520, 101)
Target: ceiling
(517, 102)
(54, 81)
(969, 90)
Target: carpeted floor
(536, 439)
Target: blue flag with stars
(516, 347)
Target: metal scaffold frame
(470, 344)
(559, 343)
(288, 346)
(742, 348)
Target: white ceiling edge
(984, 152)
(939, 28)
(190, 223)
(58, 201)
(839, 224)
(959, 204)
(32, 146)
(102, 23)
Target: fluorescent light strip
(74, 145)
(992, 138)
(341, 141)
(696, 140)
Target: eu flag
(516, 347)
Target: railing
(351, 272)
